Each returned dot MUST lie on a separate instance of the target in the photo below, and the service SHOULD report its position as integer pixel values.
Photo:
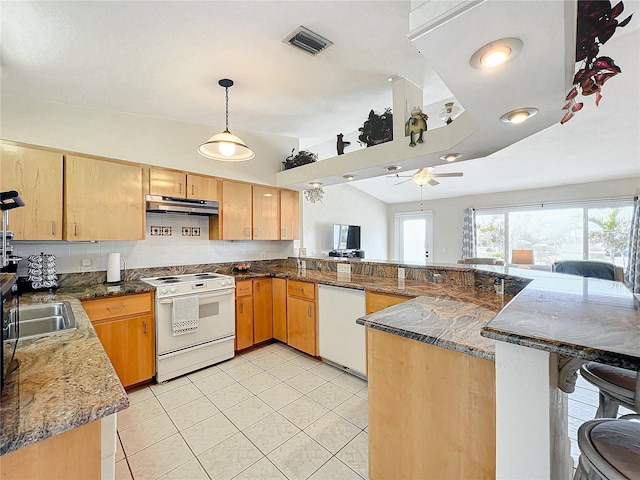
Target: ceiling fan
(426, 175)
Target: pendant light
(226, 146)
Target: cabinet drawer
(244, 288)
(301, 289)
(114, 307)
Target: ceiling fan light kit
(496, 53)
(226, 146)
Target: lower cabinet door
(280, 309)
(130, 345)
(244, 322)
(301, 325)
(262, 310)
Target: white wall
(137, 138)
(346, 205)
(448, 212)
(156, 251)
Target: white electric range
(195, 322)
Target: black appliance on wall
(8, 289)
(9, 321)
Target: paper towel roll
(113, 267)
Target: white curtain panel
(632, 274)
(469, 233)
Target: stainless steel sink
(42, 319)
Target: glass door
(414, 237)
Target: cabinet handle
(75, 229)
(193, 189)
(258, 286)
(255, 232)
(53, 228)
(115, 307)
(242, 308)
(284, 232)
(247, 232)
(144, 326)
(244, 288)
(299, 289)
(309, 311)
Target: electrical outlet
(155, 230)
(167, 231)
(186, 231)
(86, 265)
(344, 268)
(400, 273)
(195, 231)
(263, 255)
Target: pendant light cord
(226, 94)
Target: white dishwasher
(342, 340)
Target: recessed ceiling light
(315, 184)
(451, 157)
(496, 53)
(518, 116)
(348, 177)
(393, 168)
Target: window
(568, 232)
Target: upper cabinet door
(37, 176)
(202, 187)
(103, 200)
(289, 215)
(266, 213)
(167, 182)
(235, 211)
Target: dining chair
(617, 386)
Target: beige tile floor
(272, 413)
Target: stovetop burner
(170, 280)
(166, 278)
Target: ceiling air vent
(307, 41)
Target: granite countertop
(64, 380)
(586, 318)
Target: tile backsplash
(167, 246)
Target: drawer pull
(299, 289)
(309, 312)
(115, 307)
(144, 325)
(180, 187)
(53, 228)
(193, 189)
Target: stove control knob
(163, 290)
(173, 289)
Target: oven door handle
(203, 297)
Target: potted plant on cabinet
(303, 157)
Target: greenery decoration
(376, 129)
(303, 157)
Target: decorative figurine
(417, 123)
(341, 144)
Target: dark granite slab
(64, 380)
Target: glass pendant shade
(226, 147)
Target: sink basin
(42, 319)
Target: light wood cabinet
(125, 327)
(234, 220)
(102, 200)
(289, 215)
(183, 185)
(262, 310)
(302, 325)
(266, 213)
(279, 286)
(379, 301)
(244, 314)
(37, 176)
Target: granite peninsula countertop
(64, 380)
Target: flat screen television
(346, 237)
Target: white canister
(113, 267)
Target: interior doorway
(414, 237)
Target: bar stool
(609, 449)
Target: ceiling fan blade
(454, 174)
(433, 182)
(404, 181)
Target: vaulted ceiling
(164, 59)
